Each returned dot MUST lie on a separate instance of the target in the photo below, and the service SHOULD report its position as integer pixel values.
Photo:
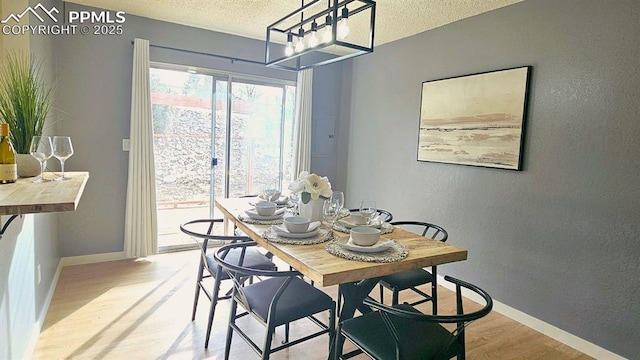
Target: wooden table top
(26, 197)
(325, 269)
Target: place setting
(368, 216)
(263, 213)
(298, 230)
(365, 244)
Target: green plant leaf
(25, 100)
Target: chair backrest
(205, 233)
(387, 216)
(461, 319)
(429, 230)
(238, 273)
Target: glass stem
(62, 167)
(42, 170)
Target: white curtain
(302, 128)
(141, 231)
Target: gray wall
(558, 240)
(94, 75)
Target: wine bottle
(8, 169)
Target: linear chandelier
(321, 32)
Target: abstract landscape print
(475, 119)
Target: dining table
(355, 278)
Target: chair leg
(434, 290)
(197, 295)
(339, 301)
(381, 294)
(332, 329)
(232, 321)
(337, 350)
(195, 301)
(394, 300)
(212, 309)
(266, 349)
(287, 329)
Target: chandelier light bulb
(343, 29)
(313, 39)
(288, 50)
(299, 45)
(327, 34)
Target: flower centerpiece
(313, 189)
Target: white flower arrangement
(311, 186)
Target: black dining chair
(202, 230)
(410, 280)
(280, 298)
(402, 332)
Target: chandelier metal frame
(296, 30)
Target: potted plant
(25, 101)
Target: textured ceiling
(395, 19)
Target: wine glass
(62, 150)
(368, 210)
(331, 211)
(294, 197)
(271, 190)
(41, 150)
(338, 198)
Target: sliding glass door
(216, 135)
(259, 136)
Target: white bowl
(365, 236)
(297, 224)
(265, 208)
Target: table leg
(353, 294)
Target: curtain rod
(207, 54)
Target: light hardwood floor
(142, 310)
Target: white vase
(312, 209)
(27, 165)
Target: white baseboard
(37, 327)
(564, 337)
(90, 259)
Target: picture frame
(476, 119)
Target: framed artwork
(475, 120)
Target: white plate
(381, 245)
(290, 235)
(276, 215)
